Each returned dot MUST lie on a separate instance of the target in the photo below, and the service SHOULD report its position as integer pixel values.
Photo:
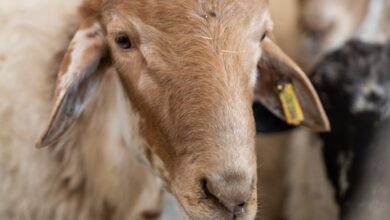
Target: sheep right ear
(78, 80)
(287, 92)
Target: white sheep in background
(326, 25)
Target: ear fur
(275, 67)
(78, 80)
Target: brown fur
(190, 78)
(182, 142)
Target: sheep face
(327, 24)
(354, 80)
(189, 69)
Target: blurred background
(330, 176)
(343, 46)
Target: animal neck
(112, 120)
(103, 157)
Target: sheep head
(327, 24)
(189, 69)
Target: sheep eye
(263, 37)
(123, 42)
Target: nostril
(228, 200)
(374, 97)
(242, 204)
(204, 183)
(316, 31)
(316, 35)
(240, 207)
(207, 191)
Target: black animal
(354, 85)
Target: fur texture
(78, 179)
(354, 84)
(146, 89)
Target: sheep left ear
(80, 75)
(284, 89)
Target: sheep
(328, 24)
(54, 183)
(149, 94)
(354, 84)
(290, 17)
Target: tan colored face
(193, 86)
(189, 69)
(327, 24)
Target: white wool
(90, 175)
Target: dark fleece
(339, 79)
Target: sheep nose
(316, 32)
(231, 190)
(316, 35)
(374, 96)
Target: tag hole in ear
(280, 87)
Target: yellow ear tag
(290, 104)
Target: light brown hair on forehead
(201, 29)
(172, 10)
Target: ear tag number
(290, 103)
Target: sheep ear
(78, 80)
(284, 89)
